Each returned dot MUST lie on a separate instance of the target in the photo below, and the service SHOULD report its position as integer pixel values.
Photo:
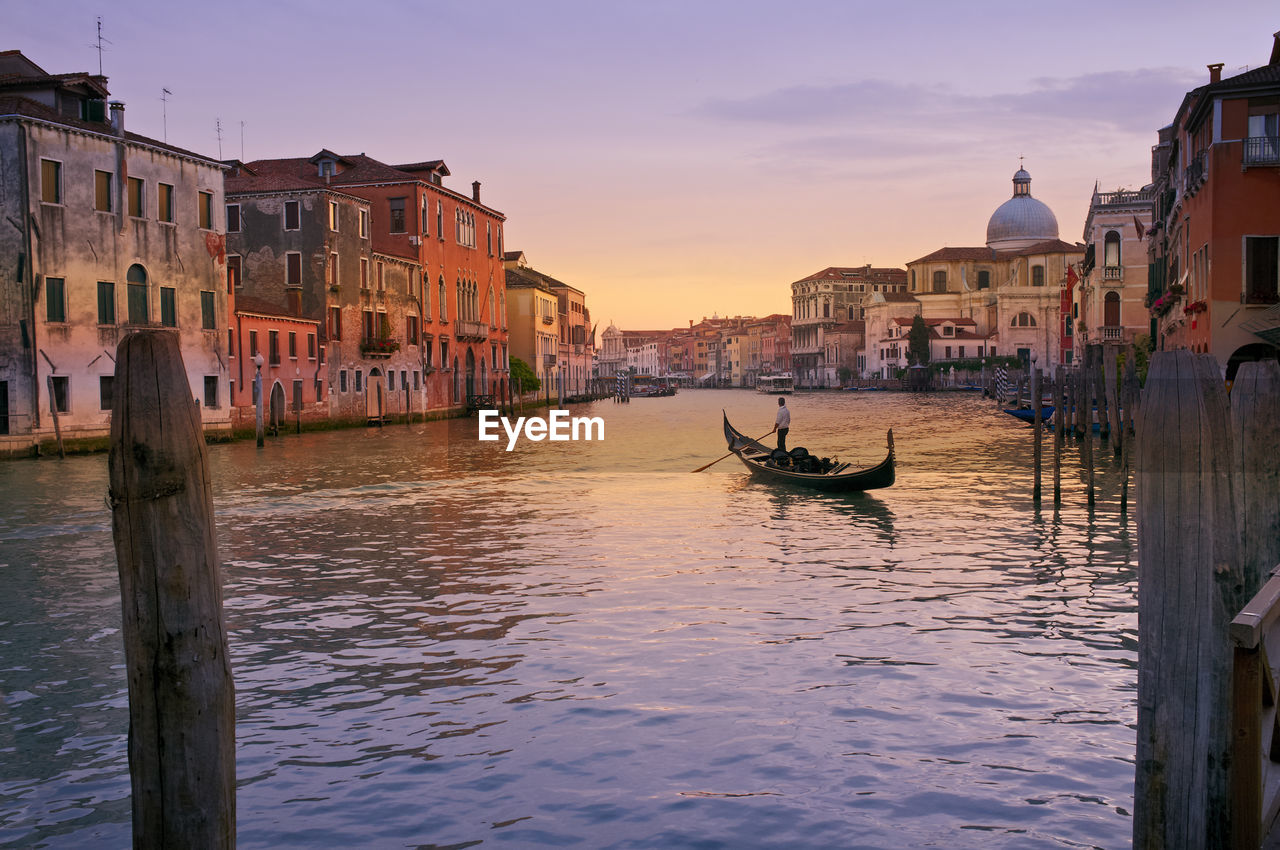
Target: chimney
(1275, 50)
(475, 186)
(117, 117)
(1215, 73)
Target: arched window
(444, 312)
(940, 281)
(1023, 320)
(1037, 275)
(136, 279)
(1111, 250)
(984, 279)
(1111, 309)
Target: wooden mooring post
(1036, 420)
(1190, 586)
(182, 762)
(53, 411)
(1058, 419)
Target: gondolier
(801, 468)
(782, 424)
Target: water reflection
(440, 643)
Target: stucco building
(1215, 249)
(108, 232)
(825, 299)
(1109, 303)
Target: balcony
(548, 320)
(1262, 150)
(471, 330)
(1113, 273)
(1196, 173)
(548, 361)
(1111, 333)
(378, 347)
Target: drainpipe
(122, 163)
(28, 277)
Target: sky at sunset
(676, 160)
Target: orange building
(1215, 249)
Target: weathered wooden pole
(1086, 428)
(1036, 419)
(181, 698)
(1057, 434)
(53, 411)
(1255, 430)
(257, 395)
(1189, 588)
(1110, 365)
(1130, 404)
(1100, 391)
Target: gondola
(801, 468)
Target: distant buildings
(106, 232)
(1108, 306)
(561, 341)
(1215, 242)
(825, 299)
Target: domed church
(1010, 292)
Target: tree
(918, 342)
(523, 376)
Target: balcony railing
(1194, 176)
(1262, 150)
(1111, 333)
(548, 320)
(1113, 273)
(1123, 197)
(470, 330)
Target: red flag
(1071, 276)
(1142, 231)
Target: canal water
(440, 644)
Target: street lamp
(257, 392)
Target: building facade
(825, 299)
(1109, 303)
(1215, 246)
(112, 232)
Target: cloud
(1128, 101)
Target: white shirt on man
(784, 417)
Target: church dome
(1021, 220)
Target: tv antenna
(165, 94)
(242, 141)
(218, 124)
(99, 46)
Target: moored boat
(799, 467)
(781, 384)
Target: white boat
(782, 384)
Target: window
(333, 216)
(444, 354)
(311, 346)
(334, 330)
(913, 280)
(292, 216)
(364, 272)
(940, 281)
(233, 218)
(382, 277)
(273, 347)
(61, 393)
(293, 345)
(139, 309)
(359, 380)
(164, 203)
(342, 380)
(364, 224)
(417, 380)
(444, 317)
(293, 269)
(210, 390)
(1261, 270)
(411, 330)
(426, 215)
(50, 181)
(397, 215)
(488, 237)
(106, 391)
(233, 272)
(208, 318)
(102, 191)
(333, 269)
(204, 210)
(367, 317)
(984, 279)
(231, 342)
(253, 343)
(136, 200)
(440, 220)
(169, 306)
(1111, 249)
(961, 354)
(1037, 275)
(1023, 320)
(55, 297)
(106, 303)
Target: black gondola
(799, 467)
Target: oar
(717, 460)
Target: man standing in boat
(783, 423)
